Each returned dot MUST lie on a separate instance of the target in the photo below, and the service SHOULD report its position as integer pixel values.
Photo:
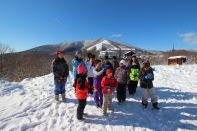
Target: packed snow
(29, 105)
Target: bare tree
(5, 49)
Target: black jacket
(115, 64)
(146, 83)
(60, 69)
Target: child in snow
(61, 72)
(82, 88)
(108, 84)
(146, 78)
(134, 70)
(98, 95)
(122, 76)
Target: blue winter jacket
(75, 63)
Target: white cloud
(189, 37)
(116, 35)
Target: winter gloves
(149, 76)
(105, 68)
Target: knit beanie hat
(81, 69)
(109, 71)
(123, 62)
(58, 52)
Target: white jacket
(90, 69)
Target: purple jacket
(97, 78)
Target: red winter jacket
(108, 85)
(82, 93)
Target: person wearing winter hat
(75, 62)
(109, 84)
(134, 70)
(82, 88)
(98, 75)
(146, 84)
(122, 76)
(61, 72)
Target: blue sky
(148, 24)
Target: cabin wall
(175, 61)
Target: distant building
(108, 53)
(129, 54)
(119, 53)
(174, 60)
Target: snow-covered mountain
(44, 48)
(65, 46)
(29, 105)
(88, 45)
(104, 44)
(76, 45)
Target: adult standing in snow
(90, 67)
(82, 88)
(61, 72)
(146, 78)
(134, 70)
(75, 62)
(122, 76)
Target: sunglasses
(59, 53)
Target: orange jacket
(82, 93)
(108, 85)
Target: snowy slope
(102, 44)
(29, 105)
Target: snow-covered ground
(29, 105)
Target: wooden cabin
(174, 60)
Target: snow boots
(155, 106)
(144, 105)
(57, 97)
(63, 97)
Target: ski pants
(121, 92)
(132, 87)
(59, 87)
(80, 108)
(107, 102)
(146, 93)
(90, 81)
(98, 97)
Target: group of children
(103, 87)
(102, 79)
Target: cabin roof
(175, 57)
